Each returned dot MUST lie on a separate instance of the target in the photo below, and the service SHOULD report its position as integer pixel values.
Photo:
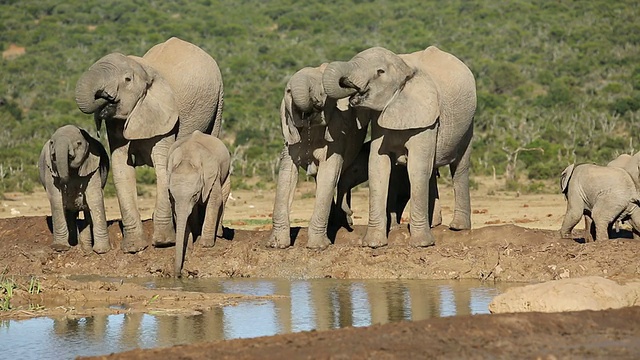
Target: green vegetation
(7, 286)
(562, 76)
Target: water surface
(320, 304)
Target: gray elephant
(322, 135)
(199, 186)
(398, 195)
(147, 103)
(423, 106)
(605, 194)
(73, 170)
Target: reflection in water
(307, 304)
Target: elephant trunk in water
(90, 94)
(335, 80)
(61, 149)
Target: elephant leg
(575, 210)
(84, 238)
(421, 170)
(393, 197)
(285, 189)
(97, 215)
(379, 172)
(326, 182)
(343, 201)
(163, 231)
(59, 220)
(436, 211)
(603, 215)
(211, 216)
(226, 190)
(635, 223)
(124, 178)
(462, 207)
(588, 229)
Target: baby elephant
(604, 193)
(199, 185)
(73, 169)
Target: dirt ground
(514, 238)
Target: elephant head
(73, 149)
(382, 81)
(127, 88)
(303, 102)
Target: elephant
(399, 189)
(73, 169)
(605, 194)
(147, 103)
(322, 135)
(199, 186)
(422, 107)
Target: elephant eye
(380, 72)
(127, 79)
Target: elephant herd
(164, 109)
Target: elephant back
(194, 77)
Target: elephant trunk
(182, 236)
(90, 94)
(334, 80)
(61, 150)
(301, 91)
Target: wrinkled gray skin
(199, 186)
(606, 194)
(73, 169)
(147, 103)
(321, 135)
(422, 113)
(399, 189)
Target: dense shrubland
(558, 81)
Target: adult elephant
(147, 103)
(322, 135)
(422, 114)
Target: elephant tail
(564, 179)
(217, 122)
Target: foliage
(562, 75)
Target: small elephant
(605, 194)
(73, 169)
(422, 106)
(147, 103)
(399, 189)
(199, 186)
(323, 136)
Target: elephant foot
(437, 221)
(566, 235)
(375, 238)
(460, 223)
(422, 239)
(279, 239)
(394, 225)
(207, 242)
(318, 242)
(133, 242)
(164, 235)
(56, 246)
(101, 247)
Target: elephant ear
(289, 130)
(414, 105)
(156, 112)
(47, 151)
(97, 159)
(565, 177)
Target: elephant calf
(603, 193)
(73, 169)
(199, 185)
(397, 197)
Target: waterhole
(304, 305)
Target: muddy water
(306, 305)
